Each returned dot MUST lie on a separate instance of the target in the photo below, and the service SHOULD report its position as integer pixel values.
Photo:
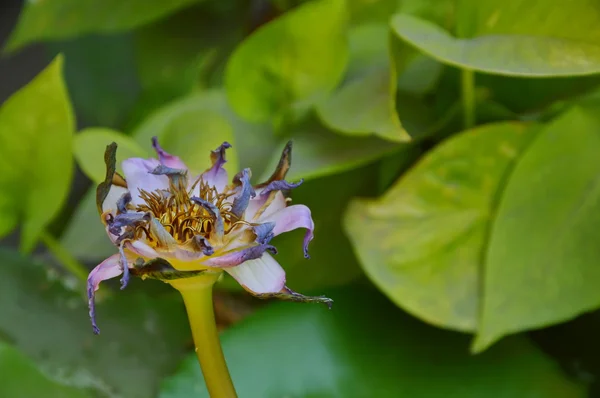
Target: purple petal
(263, 275)
(217, 176)
(290, 218)
(264, 232)
(280, 185)
(138, 175)
(109, 268)
(240, 203)
(166, 158)
(234, 258)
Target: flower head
(169, 224)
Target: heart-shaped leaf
(423, 243)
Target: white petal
(257, 202)
(263, 275)
(110, 202)
(138, 176)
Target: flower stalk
(198, 298)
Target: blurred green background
(451, 157)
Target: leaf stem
(198, 298)
(62, 255)
(468, 97)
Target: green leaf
(52, 20)
(142, 338)
(89, 146)
(542, 260)
(101, 77)
(366, 104)
(21, 378)
(364, 347)
(293, 60)
(423, 242)
(505, 54)
(318, 152)
(36, 129)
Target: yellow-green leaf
(293, 60)
(36, 130)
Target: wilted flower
(169, 224)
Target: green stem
(198, 299)
(62, 255)
(468, 97)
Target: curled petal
(280, 185)
(166, 158)
(178, 177)
(109, 268)
(125, 220)
(240, 203)
(214, 212)
(139, 177)
(285, 162)
(217, 176)
(123, 201)
(264, 232)
(237, 257)
(288, 294)
(290, 218)
(259, 276)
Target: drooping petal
(263, 275)
(237, 257)
(241, 201)
(139, 177)
(217, 176)
(109, 268)
(166, 158)
(290, 218)
(264, 232)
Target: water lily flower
(168, 223)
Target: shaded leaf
(52, 20)
(101, 76)
(293, 60)
(542, 260)
(423, 242)
(36, 128)
(366, 103)
(307, 351)
(142, 338)
(22, 379)
(507, 54)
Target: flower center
(182, 217)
